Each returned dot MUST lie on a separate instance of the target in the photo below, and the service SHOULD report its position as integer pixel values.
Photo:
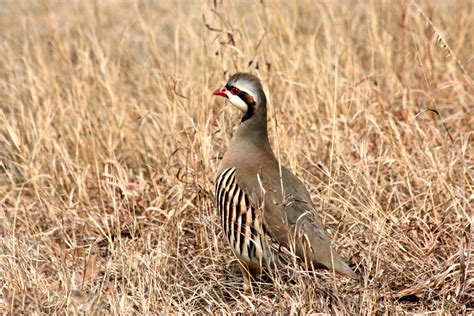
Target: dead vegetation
(109, 138)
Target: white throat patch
(237, 101)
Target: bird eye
(234, 90)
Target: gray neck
(254, 129)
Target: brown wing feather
(288, 216)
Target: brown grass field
(110, 137)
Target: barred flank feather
(243, 230)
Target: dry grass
(109, 137)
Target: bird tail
(316, 249)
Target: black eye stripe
(235, 90)
(247, 98)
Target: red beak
(221, 92)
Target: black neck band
(250, 112)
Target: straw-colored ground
(109, 138)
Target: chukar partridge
(265, 208)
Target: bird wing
(289, 217)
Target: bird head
(245, 92)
